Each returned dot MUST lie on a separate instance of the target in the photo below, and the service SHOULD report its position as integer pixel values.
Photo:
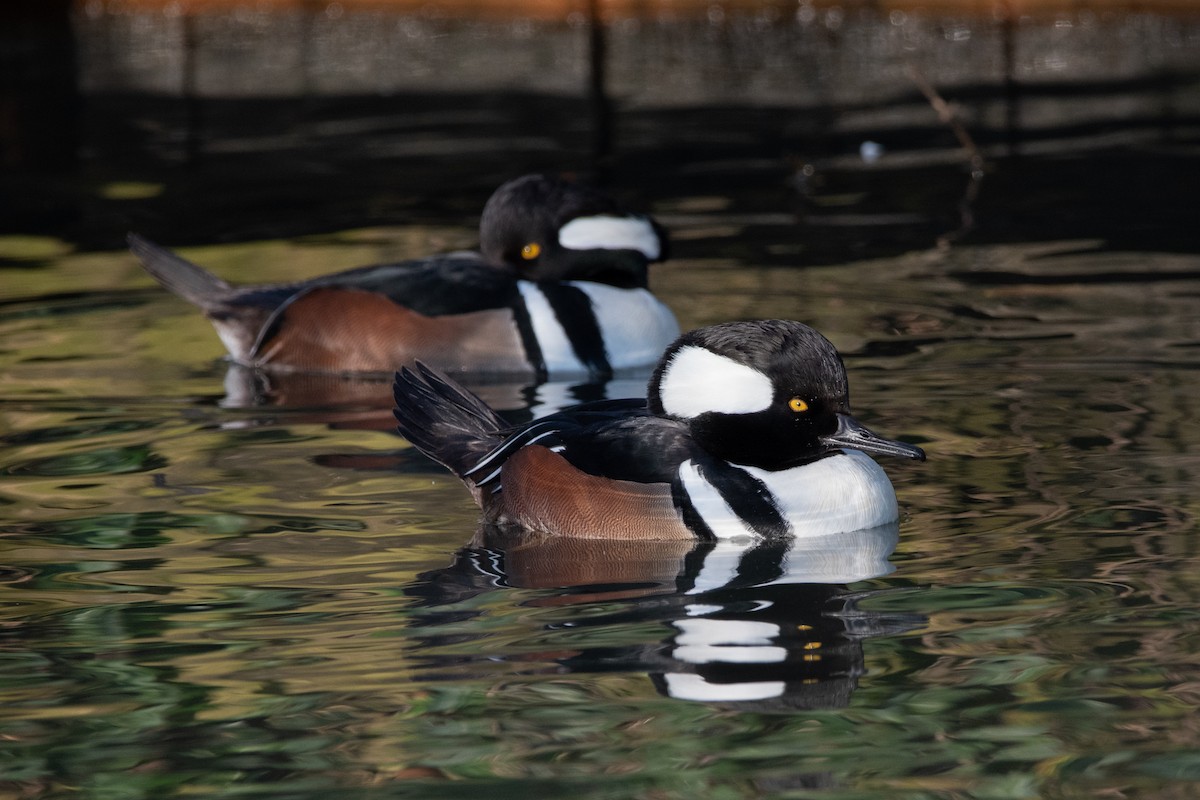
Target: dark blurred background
(877, 126)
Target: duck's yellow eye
(531, 251)
(798, 405)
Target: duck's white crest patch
(635, 325)
(698, 380)
(611, 233)
(557, 352)
(838, 494)
(685, 686)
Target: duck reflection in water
(759, 625)
(254, 398)
(363, 402)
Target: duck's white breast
(845, 492)
(635, 326)
(837, 494)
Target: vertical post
(601, 110)
(310, 11)
(1012, 114)
(194, 112)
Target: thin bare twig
(948, 116)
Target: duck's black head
(770, 394)
(548, 229)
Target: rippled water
(208, 593)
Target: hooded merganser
(746, 431)
(557, 289)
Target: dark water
(217, 585)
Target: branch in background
(947, 115)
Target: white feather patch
(720, 564)
(685, 686)
(835, 495)
(721, 520)
(611, 233)
(699, 380)
(704, 632)
(635, 325)
(842, 493)
(557, 352)
(843, 557)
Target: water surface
(208, 593)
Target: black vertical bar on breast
(763, 563)
(693, 565)
(573, 310)
(687, 511)
(533, 350)
(1012, 96)
(748, 497)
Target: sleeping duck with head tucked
(557, 290)
(746, 432)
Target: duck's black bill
(851, 433)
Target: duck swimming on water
(558, 289)
(746, 432)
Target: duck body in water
(558, 289)
(746, 432)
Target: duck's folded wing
(455, 283)
(617, 439)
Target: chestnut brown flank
(349, 330)
(542, 491)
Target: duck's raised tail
(443, 420)
(193, 283)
